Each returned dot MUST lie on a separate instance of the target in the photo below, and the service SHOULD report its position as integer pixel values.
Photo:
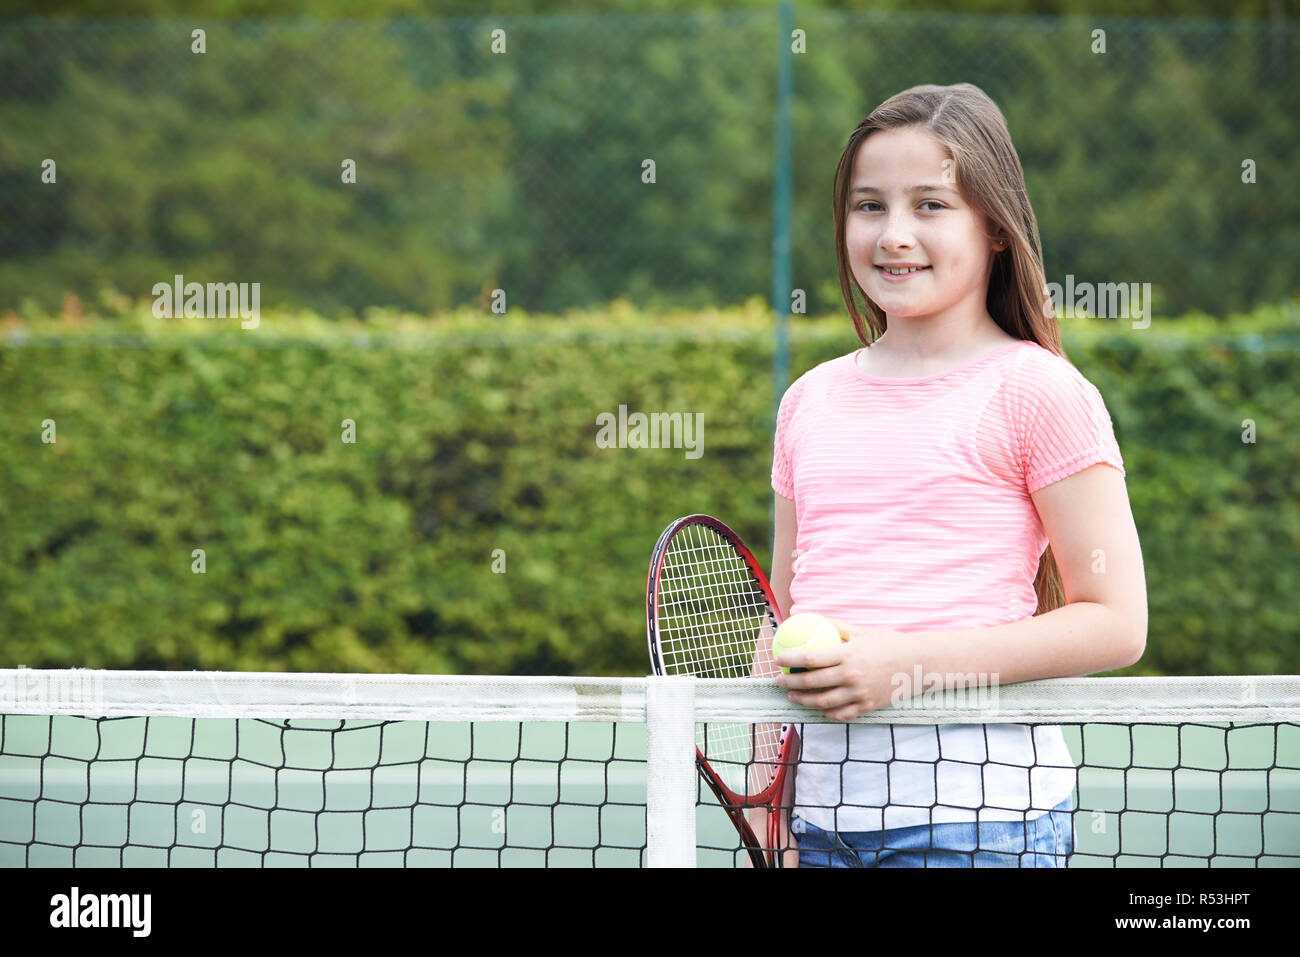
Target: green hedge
(477, 434)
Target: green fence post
(781, 210)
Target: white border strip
(670, 771)
(216, 694)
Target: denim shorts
(1045, 841)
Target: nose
(897, 232)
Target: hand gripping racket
(710, 613)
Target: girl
(919, 481)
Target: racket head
(710, 612)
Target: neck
(928, 340)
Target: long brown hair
(972, 129)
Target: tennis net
(206, 769)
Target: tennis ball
(804, 632)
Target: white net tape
(197, 694)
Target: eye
(928, 202)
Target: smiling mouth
(900, 273)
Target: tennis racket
(710, 613)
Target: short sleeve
(782, 467)
(1062, 423)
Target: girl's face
(904, 208)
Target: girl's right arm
(783, 540)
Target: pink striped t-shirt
(912, 500)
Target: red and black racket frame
(735, 805)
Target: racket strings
(710, 609)
(714, 621)
(745, 756)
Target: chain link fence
(567, 160)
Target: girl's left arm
(1102, 626)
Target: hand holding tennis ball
(804, 632)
